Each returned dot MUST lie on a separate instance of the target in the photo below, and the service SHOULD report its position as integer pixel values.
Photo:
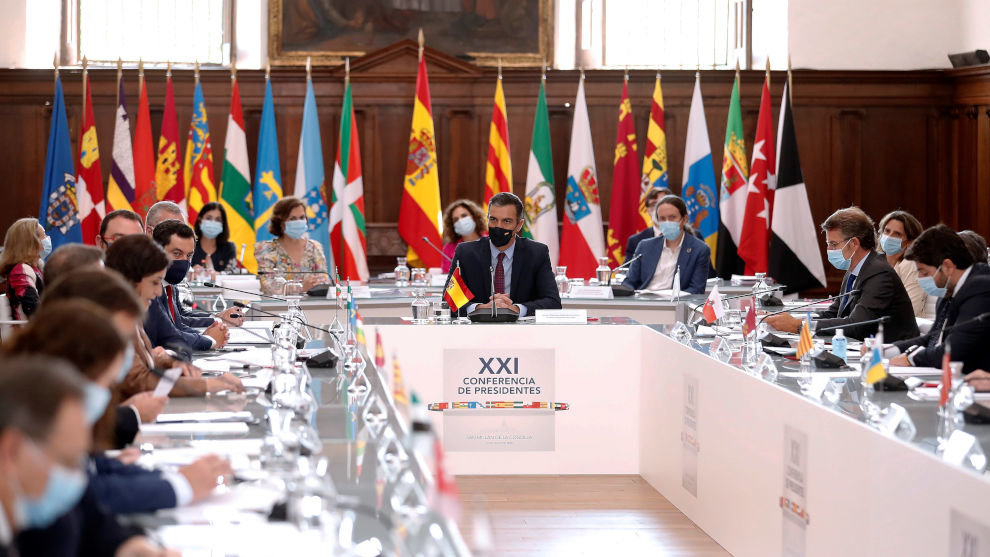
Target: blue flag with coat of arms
(59, 213)
(309, 175)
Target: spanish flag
(457, 294)
(805, 344)
(419, 213)
(498, 170)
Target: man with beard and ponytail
(524, 280)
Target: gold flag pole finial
(658, 72)
(625, 73)
(233, 66)
(268, 70)
(120, 70)
(500, 67)
(141, 69)
(768, 69)
(737, 68)
(544, 68)
(196, 71)
(581, 68)
(309, 67)
(422, 41)
(347, 70)
(790, 82)
(85, 65)
(168, 69)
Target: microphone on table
(215, 285)
(261, 311)
(328, 358)
(809, 304)
(883, 319)
(436, 249)
(492, 270)
(624, 265)
(230, 321)
(981, 317)
(695, 308)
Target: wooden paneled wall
(915, 140)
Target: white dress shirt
(663, 276)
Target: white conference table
(626, 386)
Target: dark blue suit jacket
(694, 261)
(162, 332)
(532, 283)
(635, 239)
(125, 488)
(186, 319)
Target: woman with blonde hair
(463, 221)
(20, 265)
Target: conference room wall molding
(917, 140)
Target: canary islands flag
(698, 189)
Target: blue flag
(59, 212)
(268, 174)
(309, 175)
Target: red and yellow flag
(623, 216)
(399, 388)
(654, 154)
(498, 170)
(89, 178)
(805, 344)
(457, 293)
(419, 213)
(198, 177)
(379, 350)
(168, 170)
(144, 156)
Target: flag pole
(55, 63)
(347, 71)
(500, 68)
(140, 74)
(268, 71)
(196, 72)
(625, 74)
(233, 66)
(544, 68)
(421, 42)
(309, 68)
(85, 79)
(120, 69)
(168, 69)
(768, 72)
(790, 83)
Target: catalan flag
(268, 173)
(654, 154)
(876, 371)
(144, 154)
(59, 213)
(120, 187)
(498, 170)
(805, 343)
(235, 184)
(457, 293)
(347, 224)
(168, 170)
(89, 178)
(623, 215)
(419, 213)
(198, 177)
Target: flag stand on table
(419, 212)
(655, 154)
(168, 168)
(623, 215)
(876, 371)
(89, 178)
(805, 344)
(143, 152)
(698, 188)
(198, 166)
(456, 293)
(754, 241)
(541, 195)
(235, 184)
(267, 174)
(713, 310)
(309, 173)
(582, 239)
(120, 187)
(347, 224)
(732, 194)
(59, 212)
(795, 260)
(498, 169)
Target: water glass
(563, 284)
(401, 273)
(418, 277)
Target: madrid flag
(754, 242)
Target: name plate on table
(962, 449)
(358, 291)
(594, 292)
(561, 316)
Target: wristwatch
(911, 352)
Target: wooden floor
(577, 515)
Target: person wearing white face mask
(898, 230)
(875, 289)
(946, 270)
(292, 254)
(214, 250)
(675, 247)
(46, 507)
(463, 221)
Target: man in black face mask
(168, 323)
(524, 280)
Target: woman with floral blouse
(291, 256)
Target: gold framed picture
(517, 32)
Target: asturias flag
(732, 196)
(498, 169)
(144, 155)
(310, 177)
(754, 242)
(541, 196)
(59, 213)
(698, 188)
(268, 173)
(654, 155)
(89, 177)
(198, 177)
(623, 215)
(120, 188)
(347, 229)
(419, 214)
(582, 241)
(235, 186)
(168, 170)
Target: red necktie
(171, 307)
(500, 275)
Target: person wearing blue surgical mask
(898, 230)
(215, 253)
(675, 248)
(24, 247)
(293, 255)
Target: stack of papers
(201, 417)
(188, 428)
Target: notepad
(187, 428)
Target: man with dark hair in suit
(946, 269)
(524, 281)
(851, 242)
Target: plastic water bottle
(839, 343)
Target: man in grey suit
(851, 243)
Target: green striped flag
(235, 186)
(541, 198)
